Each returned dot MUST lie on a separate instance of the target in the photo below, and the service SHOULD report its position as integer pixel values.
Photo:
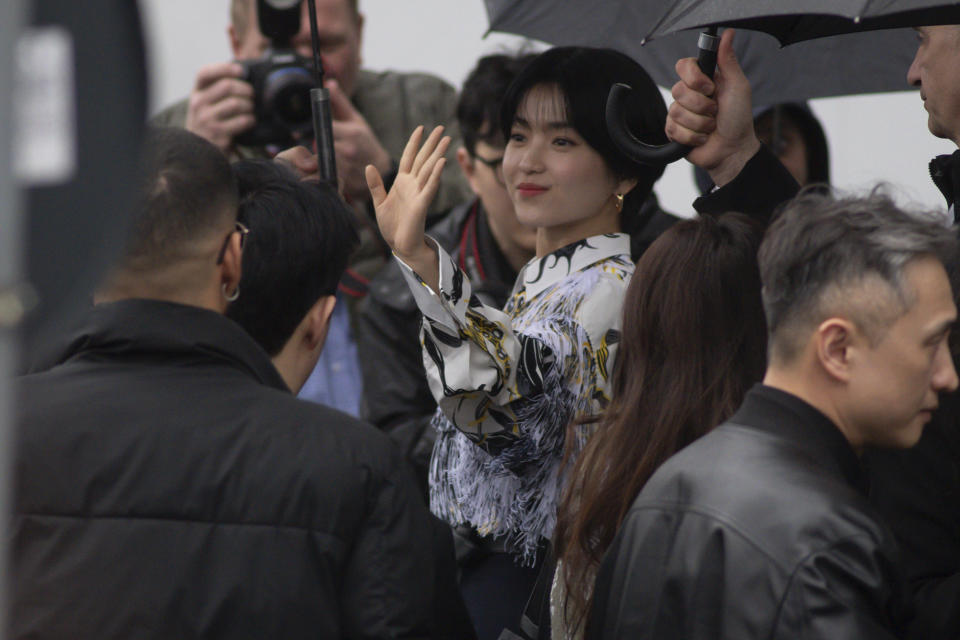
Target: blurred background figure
(373, 113)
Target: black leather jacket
(760, 529)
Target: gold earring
(619, 203)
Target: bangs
(544, 103)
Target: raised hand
(715, 117)
(402, 213)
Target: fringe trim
(516, 492)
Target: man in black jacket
(916, 490)
(762, 528)
(167, 484)
(919, 490)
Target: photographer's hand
(354, 144)
(221, 104)
(402, 213)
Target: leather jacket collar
(945, 173)
(787, 416)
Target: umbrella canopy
(793, 21)
(856, 64)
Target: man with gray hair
(762, 529)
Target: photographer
(373, 113)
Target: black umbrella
(858, 64)
(792, 21)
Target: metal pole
(11, 273)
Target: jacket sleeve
(400, 579)
(918, 491)
(846, 592)
(396, 396)
(761, 186)
(491, 380)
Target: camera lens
(287, 96)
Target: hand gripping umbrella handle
(626, 141)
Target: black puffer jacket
(760, 529)
(169, 486)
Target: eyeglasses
(240, 228)
(496, 165)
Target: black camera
(281, 80)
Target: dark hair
(820, 243)
(188, 192)
(693, 344)
(584, 76)
(301, 234)
(478, 111)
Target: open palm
(402, 213)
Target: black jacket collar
(787, 416)
(945, 172)
(154, 329)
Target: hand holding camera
(221, 104)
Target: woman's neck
(549, 239)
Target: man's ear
(318, 321)
(468, 168)
(836, 340)
(231, 269)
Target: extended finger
(433, 183)
(211, 73)
(694, 101)
(679, 133)
(427, 149)
(690, 120)
(691, 75)
(375, 183)
(237, 124)
(224, 89)
(340, 106)
(429, 166)
(230, 107)
(410, 151)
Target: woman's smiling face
(552, 175)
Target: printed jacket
(508, 383)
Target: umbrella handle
(616, 113)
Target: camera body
(281, 80)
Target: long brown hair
(694, 341)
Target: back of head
(301, 235)
(478, 111)
(692, 346)
(188, 196)
(827, 256)
(584, 76)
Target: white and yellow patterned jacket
(508, 383)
